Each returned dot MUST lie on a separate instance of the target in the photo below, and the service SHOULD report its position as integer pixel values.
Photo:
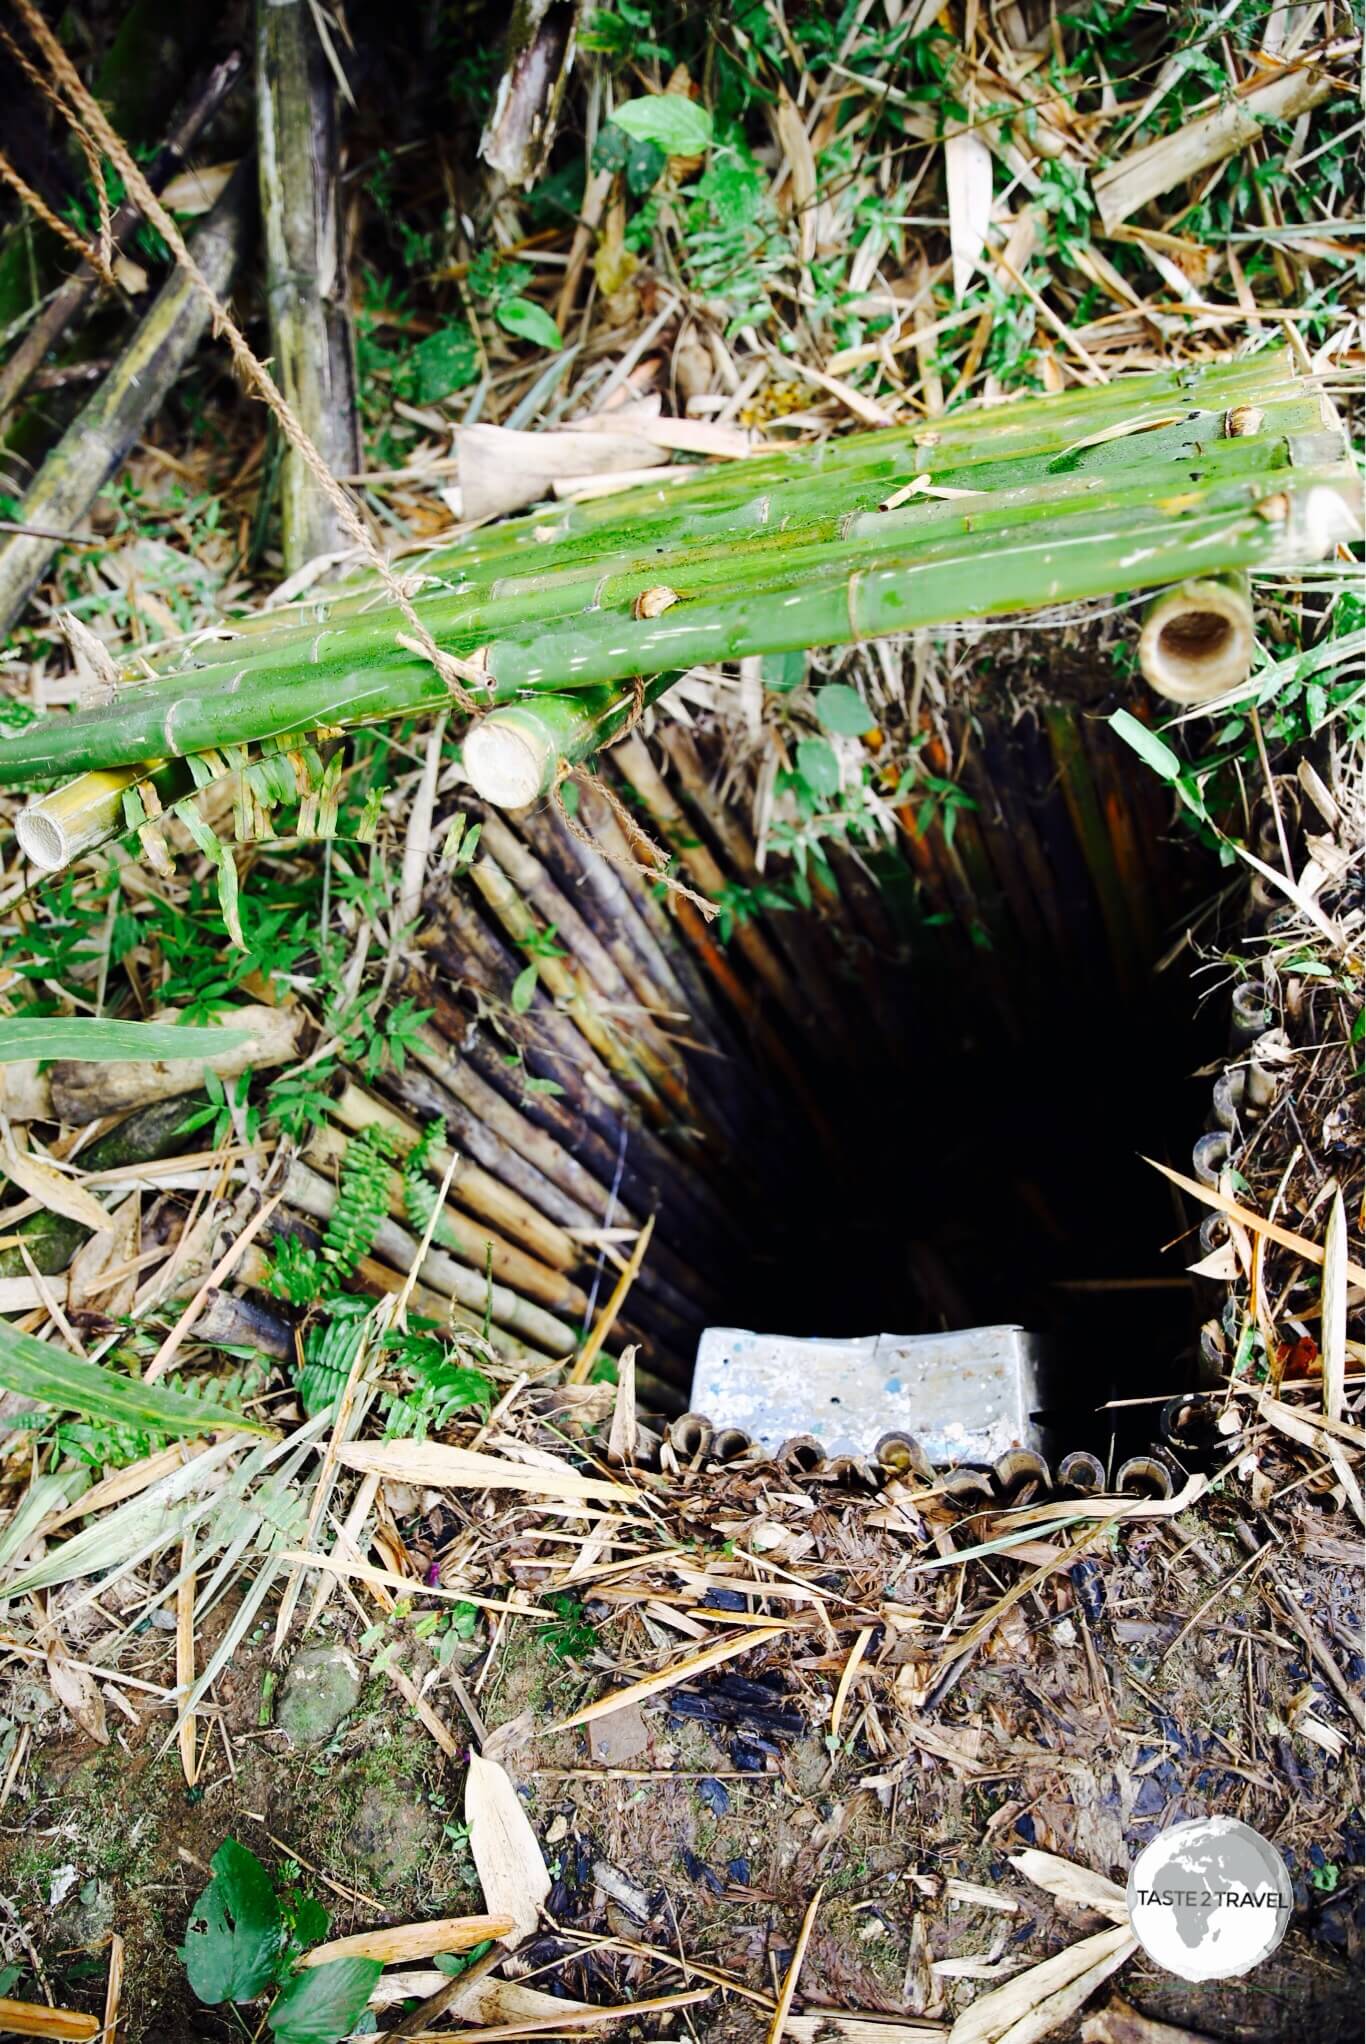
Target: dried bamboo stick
(1088, 825)
(564, 986)
(467, 1240)
(539, 890)
(71, 298)
(677, 1295)
(306, 290)
(632, 1159)
(312, 1194)
(605, 900)
(791, 933)
(484, 1195)
(632, 757)
(1145, 173)
(553, 1048)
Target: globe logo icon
(1209, 1899)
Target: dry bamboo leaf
(184, 1658)
(795, 144)
(442, 1468)
(1033, 2003)
(794, 1971)
(621, 1442)
(125, 1483)
(502, 470)
(568, 2018)
(479, 2001)
(115, 1247)
(507, 1857)
(825, 2026)
(113, 1990)
(1072, 1883)
(1117, 2023)
(197, 191)
(1310, 1251)
(77, 1691)
(592, 1348)
(846, 1681)
(34, 2019)
(413, 1940)
(53, 1189)
(669, 1678)
(967, 171)
(1333, 1335)
(22, 1295)
(1305, 1426)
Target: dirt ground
(1182, 1693)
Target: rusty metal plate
(966, 1396)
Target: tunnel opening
(1018, 1031)
(904, 1086)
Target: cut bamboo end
(510, 759)
(76, 818)
(1197, 641)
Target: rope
(454, 673)
(37, 204)
(654, 866)
(103, 263)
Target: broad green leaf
(446, 361)
(85, 1039)
(323, 2003)
(524, 989)
(37, 1369)
(236, 1930)
(530, 322)
(1146, 744)
(678, 126)
(818, 766)
(842, 709)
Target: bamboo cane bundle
(1068, 500)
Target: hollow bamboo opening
(1197, 641)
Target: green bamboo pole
(815, 491)
(893, 571)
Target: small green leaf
(236, 1931)
(523, 989)
(530, 322)
(85, 1039)
(645, 166)
(323, 2003)
(783, 672)
(675, 124)
(1146, 744)
(818, 767)
(842, 709)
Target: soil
(1079, 1735)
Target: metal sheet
(966, 1396)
